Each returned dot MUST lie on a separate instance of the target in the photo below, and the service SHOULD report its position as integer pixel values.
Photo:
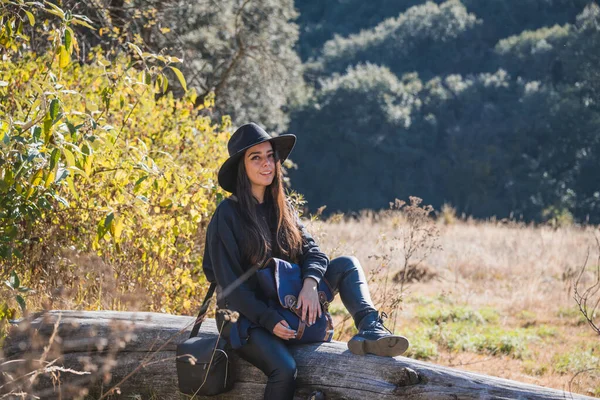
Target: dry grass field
(491, 297)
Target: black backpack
(203, 364)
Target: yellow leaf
(166, 203)
(87, 166)
(49, 179)
(136, 48)
(63, 57)
(120, 175)
(37, 178)
(29, 193)
(69, 157)
(75, 45)
(47, 128)
(165, 83)
(55, 10)
(72, 187)
(80, 172)
(180, 77)
(59, 14)
(77, 21)
(117, 228)
(30, 17)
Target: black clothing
(223, 263)
(346, 277)
(271, 355)
(374, 338)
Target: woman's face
(259, 161)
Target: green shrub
(572, 313)
(461, 336)
(106, 180)
(525, 315)
(421, 347)
(533, 367)
(443, 313)
(544, 331)
(579, 360)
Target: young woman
(256, 223)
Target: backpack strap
(206, 302)
(203, 310)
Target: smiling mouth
(266, 173)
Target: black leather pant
(270, 353)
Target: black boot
(374, 338)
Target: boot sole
(388, 346)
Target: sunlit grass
(502, 300)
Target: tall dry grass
(523, 273)
(520, 275)
(516, 266)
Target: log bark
(133, 354)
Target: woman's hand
(283, 331)
(308, 301)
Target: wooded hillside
(489, 106)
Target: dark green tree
(503, 18)
(320, 20)
(430, 39)
(353, 145)
(240, 50)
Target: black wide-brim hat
(243, 138)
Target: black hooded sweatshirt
(223, 262)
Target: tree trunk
(133, 353)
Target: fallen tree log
(66, 354)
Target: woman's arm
(225, 258)
(312, 260)
(313, 263)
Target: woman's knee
(285, 371)
(341, 267)
(345, 263)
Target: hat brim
(228, 171)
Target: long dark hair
(258, 241)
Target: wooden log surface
(135, 352)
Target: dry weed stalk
(20, 376)
(414, 238)
(418, 235)
(19, 379)
(589, 300)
